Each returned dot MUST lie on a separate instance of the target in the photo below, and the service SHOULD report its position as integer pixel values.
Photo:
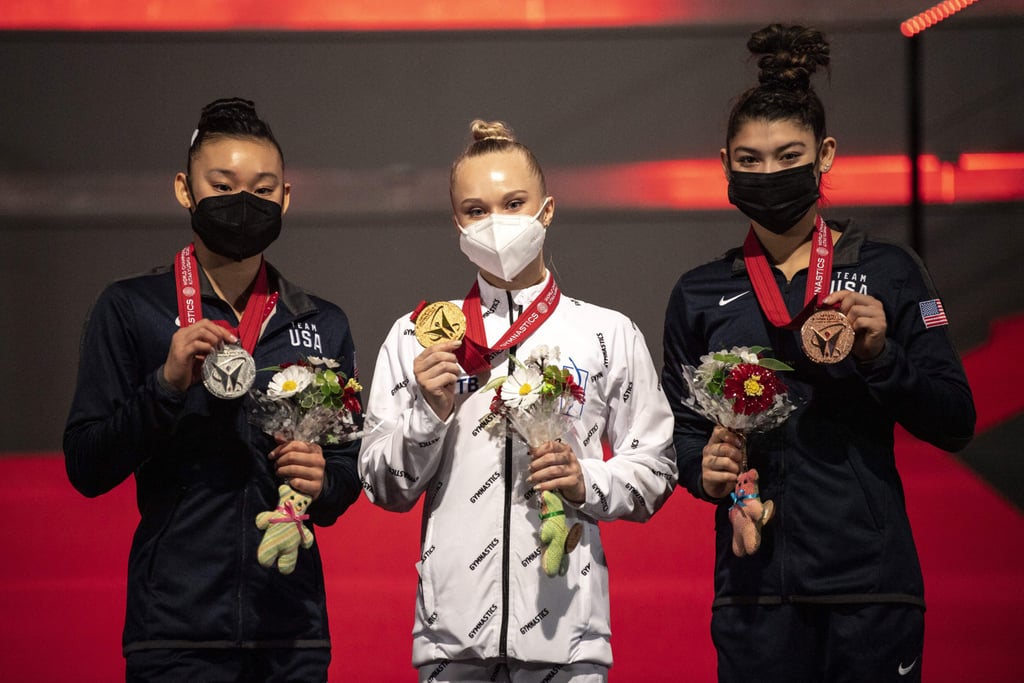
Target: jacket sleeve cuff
(425, 428)
(165, 390)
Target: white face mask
(504, 244)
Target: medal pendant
(438, 322)
(827, 336)
(229, 372)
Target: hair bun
(788, 55)
(491, 130)
(234, 108)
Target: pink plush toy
(748, 514)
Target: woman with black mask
(834, 591)
(166, 362)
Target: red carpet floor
(62, 577)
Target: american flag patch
(932, 313)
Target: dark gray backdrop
(94, 126)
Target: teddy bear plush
(748, 514)
(284, 530)
(558, 539)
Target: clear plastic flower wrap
(536, 400)
(536, 397)
(305, 401)
(739, 389)
(308, 401)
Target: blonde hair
(491, 137)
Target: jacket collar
(494, 300)
(846, 252)
(293, 302)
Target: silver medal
(229, 371)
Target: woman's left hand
(301, 464)
(867, 316)
(553, 465)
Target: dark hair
(496, 136)
(231, 117)
(787, 58)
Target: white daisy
(522, 388)
(289, 381)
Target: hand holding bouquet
(536, 399)
(305, 401)
(740, 390)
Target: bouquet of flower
(306, 401)
(309, 401)
(536, 397)
(740, 390)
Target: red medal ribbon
(767, 291)
(475, 355)
(190, 308)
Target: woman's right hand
(189, 347)
(436, 370)
(721, 462)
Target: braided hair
(787, 57)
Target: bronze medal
(827, 336)
(438, 322)
(229, 372)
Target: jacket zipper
(507, 522)
(243, 558)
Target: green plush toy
(285, 531)
(558, 539)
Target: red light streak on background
(700, 184)
(351, 15)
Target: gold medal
(827, 336)
(438, 322)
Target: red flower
(497, 404)
(752, 388)
(351, 402)
(575, 389)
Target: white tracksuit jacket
(482, 592)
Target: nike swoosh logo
(904, 670)
(723, 301)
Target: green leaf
(774, 364)
(495, 383)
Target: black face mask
(237, 225)
(775, 200)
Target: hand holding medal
(228, 370)
(440, 328)
(190, 346)
(438, 322)
(866, 317)
(826, 334)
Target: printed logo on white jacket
(481, 518)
